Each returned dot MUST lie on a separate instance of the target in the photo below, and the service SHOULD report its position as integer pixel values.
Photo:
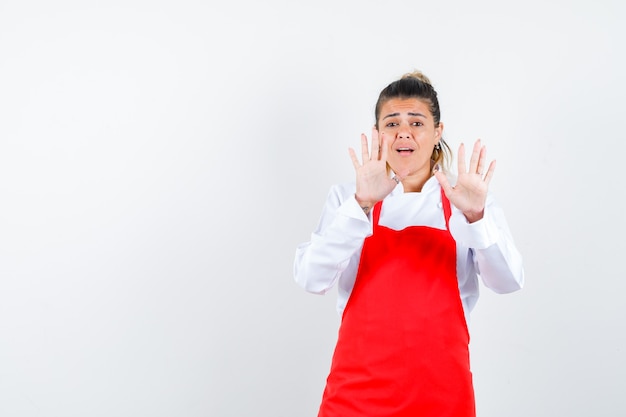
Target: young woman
(405, 244)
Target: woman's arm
(496, 257)
(339, 236)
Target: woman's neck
(415, 182)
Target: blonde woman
(406, 244)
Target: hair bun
(419, 75)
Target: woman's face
(409, 128)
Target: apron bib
(402, 348)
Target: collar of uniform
(429, 185)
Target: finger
(384, 151)
(475, 157)
(355, 161)
(461, 163)
(365, 154)
(375, 144)
(490, 171)
(443, 181)
(482, 157)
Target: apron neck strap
(447, 210)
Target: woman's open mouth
(404, 150)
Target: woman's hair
(417, 85)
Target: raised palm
(372, 179)
(470, 192)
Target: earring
(438, 146)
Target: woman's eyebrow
(409, 113)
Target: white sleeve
(339, 237)
(497, 260)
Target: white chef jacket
(485, 248)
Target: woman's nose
(404, 133)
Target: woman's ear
(439, 130)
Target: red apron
(402, 348)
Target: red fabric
(403, 342)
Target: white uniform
(484, 248)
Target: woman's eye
(418, 124)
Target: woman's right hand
(372, 179)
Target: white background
(160, 161)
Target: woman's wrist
(474, 217)
(366, 206)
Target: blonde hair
(419, 75)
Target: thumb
(401, 175)
(443, 181)
(397, 178)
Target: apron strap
(376, 213)
(447, 210)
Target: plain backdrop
(161, 160)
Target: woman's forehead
(405, 106)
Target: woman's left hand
(470, 192)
